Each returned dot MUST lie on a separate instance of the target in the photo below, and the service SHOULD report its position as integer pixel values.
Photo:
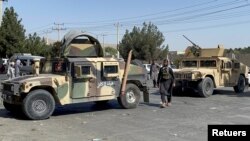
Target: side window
(85, 70)
(31, 62)
(110, 69)
(236, 65)
(228, 65)
(24, 62)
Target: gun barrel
(189, 40)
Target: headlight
(196, 75)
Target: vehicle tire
(11, 107)
(206, 87)
(240, 87)
(38, 105)
(131, 97)
(103, 102)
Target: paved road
(185, 120)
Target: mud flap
(247, 84)
(145, 95)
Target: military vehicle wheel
(131, 97)
(12, 107)
(240, 87)
(38, 105)
(206, 87)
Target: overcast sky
(206, 22)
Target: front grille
(177, 76)
(187, 76)
(7, 87)
(183, 76)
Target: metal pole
(117, 32)
(103, 44)
(118, 53)
(58, 29)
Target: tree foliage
(146, 43)
(110, 51)
(36, 45)
(243, 50)
(56, 49)
(12, 34)
(13, 39)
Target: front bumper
(185, 85)
(10, 98)
(10, 93)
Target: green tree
(146, 43)
(110, 51)
(163, 52)
(56, 49)
(36, 45)
(12, 34)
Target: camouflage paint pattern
(84, 49)
(72, 85)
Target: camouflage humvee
(203, 70)
(81, 74)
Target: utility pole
(103, 35)
(58, 29)
(46, 32)
(117, 25)
(1, 10)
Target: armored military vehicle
(203, 69)
(81, 74)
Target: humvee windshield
(189, 63)
(58, 67)
(208, 63)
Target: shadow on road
(6, 114)
(85, 108)
(151, 104)
(194, 94)
(231, 93)
(66, 110)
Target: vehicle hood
(193, 70)
(30, 78)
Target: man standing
(166, 82)
(154, 72)
(18, 65)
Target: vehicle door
(235, 72)
(84, 79)
(108, 79)
(226, 72)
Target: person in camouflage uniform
(166, 82)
